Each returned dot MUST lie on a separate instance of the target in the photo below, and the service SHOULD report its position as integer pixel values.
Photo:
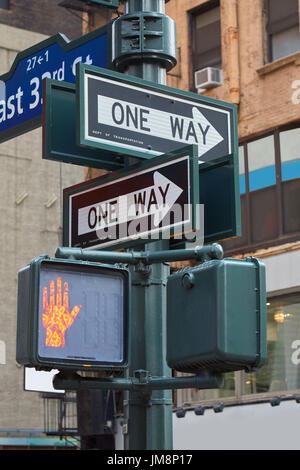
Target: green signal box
(216, 316)
(73, 315)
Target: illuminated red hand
(56, 316)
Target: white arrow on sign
(145, 120)
(154, 200)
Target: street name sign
(142, 119)
(152, 199)
(59, 130)
(56, 58)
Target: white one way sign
(125, 115)
(155, 200)
(158, 196)
(161, 124)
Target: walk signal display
(72, 314)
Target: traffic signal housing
(73, 315)
(216, 316)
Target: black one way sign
(127, 115)
(155, 198)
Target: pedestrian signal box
(72, 315)
(216, 316)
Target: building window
(206, 38)
(261, 163)
(4, 4)
(242, 170)
(270, 192)
(290, 154)
(282, 28)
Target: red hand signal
(56, 316)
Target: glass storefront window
(281, 371)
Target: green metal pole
(149, 415)
(148, 70)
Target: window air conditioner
(207, 78)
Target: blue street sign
(56, 58)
